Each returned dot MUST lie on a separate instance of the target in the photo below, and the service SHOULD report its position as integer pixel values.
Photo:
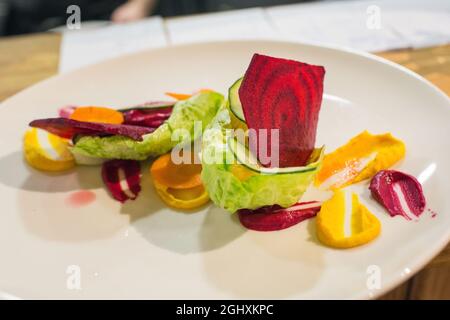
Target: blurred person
(133, 10)
(26, 16)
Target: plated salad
(252, 153)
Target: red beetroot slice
(151, 106)
(145, 118)
(286, 95)
(272, 218)
(68, 128)
(386, 185)
(130, 187)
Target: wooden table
(25, 60)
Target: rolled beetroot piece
(272, 218)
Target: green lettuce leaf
(229, 192)
(200, 107)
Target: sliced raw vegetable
(399, 193)
(123, 179)
(247, 159)
(235, 107)
(184, 96)
(147, 117)
(179, 96)
(338, 230)
(45, 151)
(150, 106)
(199, 109)
(177, 176)
(233, 186)
(285, 95)
(68, 128)
(272, 218)
(359, 159)
(97, 114)
(179, 185)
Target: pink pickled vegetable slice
(272, 218)
(399, 193)
(286, 95)
(68, 128)
(122, 178)
(66, 111)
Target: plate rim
(393, 280)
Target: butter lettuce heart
(179, 128)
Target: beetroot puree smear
(399, 193)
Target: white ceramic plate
(145, 250)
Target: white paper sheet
(84, 47)
(421, 28)
(240, 24)
(346, 23)
(403, 23)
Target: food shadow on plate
(185, 232)
(268, 265)
(53, 217)
(46, 210)
(16, 173)
(175, 230)
(147, 202)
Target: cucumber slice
(248, 160)
(235, 102)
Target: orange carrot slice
(97, 114)
(179, 96)
(184, 96)
(182, 198)
(176, 176)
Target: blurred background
(70, 29)
(26, 16)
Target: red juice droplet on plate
(80, 198)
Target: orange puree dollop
(361, 158)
